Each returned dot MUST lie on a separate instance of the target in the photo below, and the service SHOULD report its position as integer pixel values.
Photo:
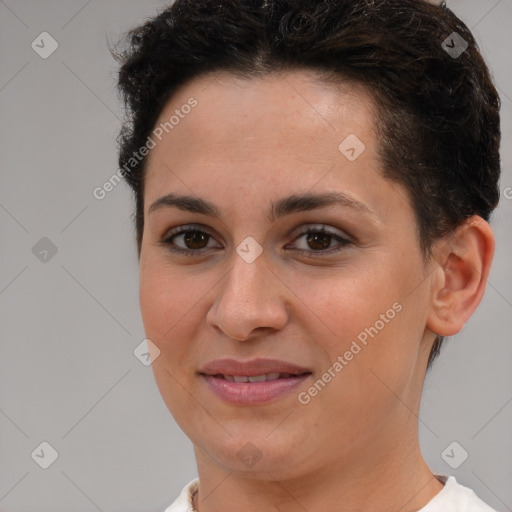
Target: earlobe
(463, 262)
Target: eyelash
(170, 246)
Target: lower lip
(249, 393)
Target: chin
(257, 452)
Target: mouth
(265, 377)
(250, 383)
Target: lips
(255, 378)
(252, 368)
(252, 382)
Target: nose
(250, 298)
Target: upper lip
(251, 368)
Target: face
(332, 286)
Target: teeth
(258, 378)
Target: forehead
(246, 142)
(289, 115)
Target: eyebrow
(278, 209)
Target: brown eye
(316, 242)
(319, 241)
(196, 239)
(191, 241)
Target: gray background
(69, 325)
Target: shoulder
(183, 502)
(454, 497)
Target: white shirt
(453, 497)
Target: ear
(462, 263)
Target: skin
(246, 144)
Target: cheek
(162, 301)
(155, 297)
(170, 308)
(346, 303)
(172, 303)
(371, 320)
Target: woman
(313, 183)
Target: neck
(397, 480)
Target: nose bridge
(249, 296)
(248, 277)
